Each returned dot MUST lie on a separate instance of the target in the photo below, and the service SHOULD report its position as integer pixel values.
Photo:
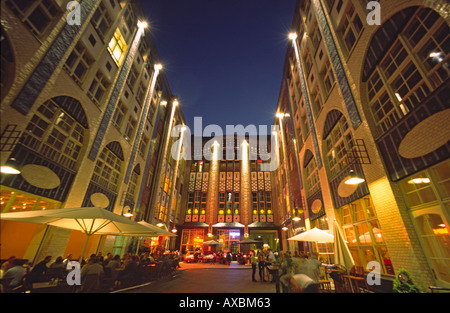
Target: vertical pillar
(117, 91)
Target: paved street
(208, 278)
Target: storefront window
(12, 200)
(192, 240)
(364, 236)
(435, 234)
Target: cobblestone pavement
(208, 278)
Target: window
(7, 63)
(54, 133)
(37, 15)
(414, 66)
(312, 177)
(78, 63)
(117, 47)
(129, 130)
(316, 100)
(363, 234)
(338, 143)
(327, 77)
(143, 146)
(351, 28)
(107, 170)
(98, 88)
(119, 114)
(101, 21)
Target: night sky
(223, 58)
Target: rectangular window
(78, 63)
(119, 114)
(36, 15)
(327, 76)
(101, 21)
(117, 47)
(351, 28)
(98, 88)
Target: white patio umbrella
(315, 235)
(342, 254)
(211, 243)
(89, 220)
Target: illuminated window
(363, 234)
(117, 47)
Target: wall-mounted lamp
(354, 179)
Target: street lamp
(293, 36)
(142, 24)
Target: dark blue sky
(223, 58)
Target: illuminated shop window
(363, 234)
(12, 200)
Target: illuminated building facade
(370, 101)
(85, 113)
(229, 198)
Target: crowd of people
(297, 273)
(124, 271)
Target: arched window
(108, 167)
(57, 131)
(311, 174)
(338, 141)
(403, 69)
(7, 63)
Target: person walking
(261, 265)
(254, 262)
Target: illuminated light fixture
(10, 167)
(160, 224)
(174, 230)
(142, 24)
(296, 219)
(164, 102)
(158, 67)
(183, 128)
(175, 102)
(293, 36)
(419, 180)
(128, 214)
(284, 228)
(274, 133)
(354, 180)
(436, 55)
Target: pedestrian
(254, 262)
(261, 265)
(287, 268)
